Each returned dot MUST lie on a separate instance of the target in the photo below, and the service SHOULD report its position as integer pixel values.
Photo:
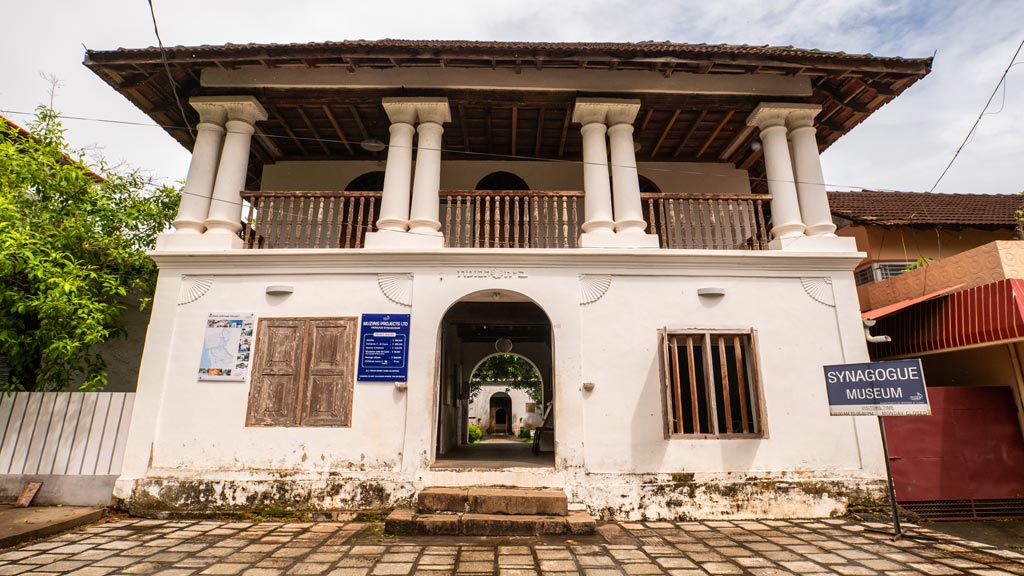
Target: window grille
(711, 384)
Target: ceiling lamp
(503, 345)
(372, 145)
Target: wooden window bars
(711, 384)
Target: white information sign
(227, 347)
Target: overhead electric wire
(167, 68)
(974, 127)
(497, 155)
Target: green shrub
(526, 435)
(475, 433)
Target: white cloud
(903, 146)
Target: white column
(810, 182)
(202, 169)
(426, 187)
(629, 216)
(597, 191)
(786, 219)
(225, 216)
(394, 204)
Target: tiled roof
(911, 208)
(528, 49)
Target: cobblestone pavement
(184, 548)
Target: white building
(647, 223)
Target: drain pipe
(871, 338)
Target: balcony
(501, 219)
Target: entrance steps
(489, 511)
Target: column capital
(802, 118)
(245, 108)
(605, 110)
(769, 114)
(412, 110)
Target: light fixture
(279, 290)
(712, 292)
(637, 146)
(503, 345)
(372, 145)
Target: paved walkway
(184, 548)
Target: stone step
(407, 521)
(492, 500)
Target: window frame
(303, 368)
(755, 388)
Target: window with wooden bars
(302, 372)
(711, 384)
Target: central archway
(505, 339)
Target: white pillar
(225, 216)
(403, 223)
(597, 192)
(629, 216)
(202, 169)
(810, 182)
(426, 187)
(771, 120)
(394, 204)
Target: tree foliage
(72, 248)
(509, 370)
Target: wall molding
(193, 288)
(820, 290)
(396, 287)
(593, 287)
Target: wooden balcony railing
(501, 219)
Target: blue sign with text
(383, 348)
(892, 388)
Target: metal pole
(892, 488)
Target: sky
(904, 146)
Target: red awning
(893, 308)
(982, 315)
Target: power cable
(497, 155)
(167, 68)
(967, 138)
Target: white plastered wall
(689, 177)
(613, 435)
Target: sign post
(383, 348)
(893, 388)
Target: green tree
(512, 371)
(72, 247)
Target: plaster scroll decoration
(396, 287)
(193, 288)
(820, 290)
(593, 287)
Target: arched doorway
(496, 363)
(500, 408)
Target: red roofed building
(944, 281)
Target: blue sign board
(383, 348)
(893, 388)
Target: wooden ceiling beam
(647, 119)
(515, 127)
(565, 130)
(714, 134)
(463, 127)
(490, 136)
(287, 129)
(664, 133)
(689, 133)
(337, 128)
(312, 129)
(734, 145)
(754, 156)
(540, 132)
(359, 122)
(268, 143)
